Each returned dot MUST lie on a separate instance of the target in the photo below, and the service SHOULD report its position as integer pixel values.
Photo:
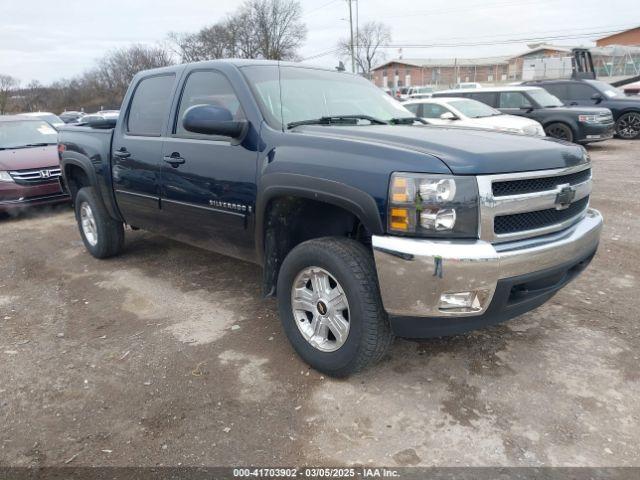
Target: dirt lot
(168, 355)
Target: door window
(488, 98)
(431, 110)
(413, 108)
(557, 90)
(150, 106)
(580, 92)
(207, 88)
(513, 100)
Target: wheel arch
(295, 208)
(563, 121)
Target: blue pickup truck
(367, 223)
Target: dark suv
(574, 124)
(625, 110)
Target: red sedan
(29, 168)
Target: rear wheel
(560, 131)
(330, 306)
(102, 236)
(628, 125)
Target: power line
(503, 42)
(481, 5)
(319, 8)
(493, 41)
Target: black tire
(559, 130)
(352, 266)
(109, 238)
(628, 126)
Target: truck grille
(521, 222)
(530, 185)
(522, 205)
(36, 177)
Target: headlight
(588, 118)
(433, 205)
(5, 177)
(534, 130)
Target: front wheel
(102, 236)
(628, 126)
(330, 306)
(560, 131)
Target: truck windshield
(544, 98)
(27, 133)
(302, 94)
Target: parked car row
(576, 110)
(465, 112)
(573, 124)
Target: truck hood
(464, 151)
(29, 158)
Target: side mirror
(448, 116)
(212, 120)
(596, 97)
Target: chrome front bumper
(414, 273)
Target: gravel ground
(167, 355)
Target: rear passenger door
(137, 151)
(208, 196)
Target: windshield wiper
(407, 121)
(337, 120)
(39, 144)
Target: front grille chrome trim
(35, 176)
(491, 206)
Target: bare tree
(269, 29)
(34, 98)
(8, 85)
(215, 41)
(279, 27)
(368, 48)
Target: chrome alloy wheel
(629, 125)
(320, 309)
(88, 222)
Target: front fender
(352, 199)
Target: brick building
(628, 37)
(447, 72)
(440, 72)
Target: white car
(420, 92)
(52, 119)
(467, 85)
(464, 112)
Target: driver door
(208, 182)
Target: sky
(47, 40)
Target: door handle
(122, 153)
(174, 159)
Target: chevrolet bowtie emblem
(565, 196)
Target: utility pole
(358, 30)
(353, 57)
